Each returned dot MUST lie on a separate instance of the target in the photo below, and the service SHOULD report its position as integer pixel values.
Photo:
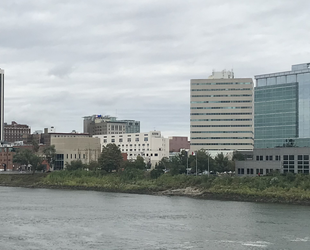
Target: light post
(208, 164)
(196, 164)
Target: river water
(69, 219)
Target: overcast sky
(134, 58)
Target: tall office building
(282, 102)
(103, 125)
(1, 103)
(221, 113)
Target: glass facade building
(281, 113)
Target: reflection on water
(64, 219)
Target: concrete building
(282, 102)
(103, 125)
(151, 146)
(281, 159)
(178, 143)
(1, 103)
(70, 147)
(15, 132)
(221, 113)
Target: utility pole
(186, 162)
(196, 164)
(208, 165)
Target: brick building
(15, 132)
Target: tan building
(71, 146)
(221, 113)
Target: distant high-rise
(221, 113)
(282, 102)
(1, 103)
(103, 125)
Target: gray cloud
(134, 59)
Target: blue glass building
(281, 108)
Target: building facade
(15, 132)
(71, 147)
(282, 102)
(151, 146)
(281, 159)
(178, 143)
(1, 103)
(103, 125)
(221, 113)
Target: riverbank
(291, 189)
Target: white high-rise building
(221, 113)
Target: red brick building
(14, 132)
(177, 143)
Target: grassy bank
(283, 189)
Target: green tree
(222, 162)
(176, 167)
(204, 161)
(93, 166)
(163, 163)
(28, 157)
(49, 155)
(75, 165)
(238, 157)
(139, 163)
(110, 158)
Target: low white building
(151, 146)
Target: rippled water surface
(62, 219)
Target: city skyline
(135, 59)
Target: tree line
(111, 160)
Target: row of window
(221, 83)
(219, 95)
(250, 171)
(221, 138)
(221, 107)
(268, 158)
(219, 120)
(134, 149)
(221, 132)
(216, 126)
(221, 89)
(143, 154)
(135, 145)
(105, 136)
(74, 156)
(221, 101)
(224, 144)
(221, 113)
(121, 140)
